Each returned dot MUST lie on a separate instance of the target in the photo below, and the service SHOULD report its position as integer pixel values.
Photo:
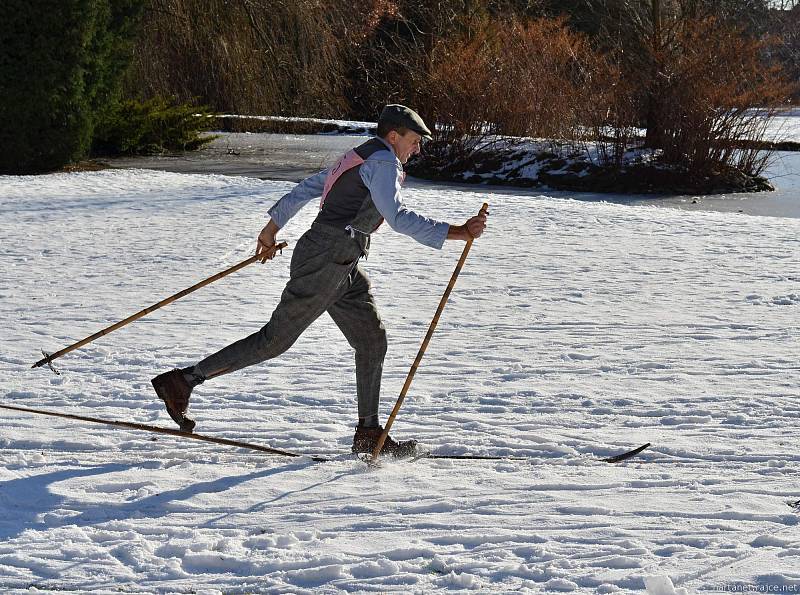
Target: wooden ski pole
(47, 359)
(377, 451)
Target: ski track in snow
(576, 330)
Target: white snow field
(577, 330)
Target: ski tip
(626, 455)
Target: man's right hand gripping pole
(265, 244)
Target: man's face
(404, 145)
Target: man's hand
(471, 230)
(266, 242)
(475, 225)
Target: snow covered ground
(576, 330)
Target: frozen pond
(293, 157)
(783, 173)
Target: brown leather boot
(172, 388)
(366, 439)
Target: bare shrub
(513, 78)
(785, 26)
(611, 116)
(390, 59)
(713, 78)
(709, 91)
(241, 56)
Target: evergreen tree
(60, 65)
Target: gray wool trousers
(324, 277)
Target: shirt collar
(388, 146)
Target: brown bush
(523, 79)
(785, 26)
(705, 94)
(712, 78)
(511, 79)
(244, 56)
(389, 56)
(611, 116)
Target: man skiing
(357, 194)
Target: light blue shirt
(382, 174)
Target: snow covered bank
(542, 163)
(578, 167)
(575, 330)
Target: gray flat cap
(404, 116)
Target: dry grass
(242, 56)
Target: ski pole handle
(484, 209)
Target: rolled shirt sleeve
(381, 174)
(289, 204)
